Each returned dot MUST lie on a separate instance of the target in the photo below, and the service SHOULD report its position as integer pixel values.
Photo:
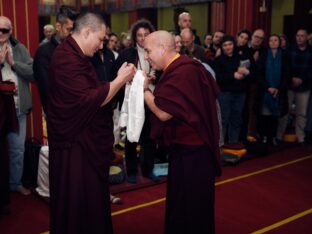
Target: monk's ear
(163, 49)
(85, 32)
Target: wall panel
(242, 14)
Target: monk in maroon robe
(80, 130)
(8, 123)
(185, 119)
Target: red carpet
(250, 196)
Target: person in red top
(185, 118)
(80, 129)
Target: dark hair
(221, 31)
(91, 20)
(65, 13)
(302, 29)
(226, 38)
(246, 31)
(278, 36)
(142, 23)
(112, 34)
(207, 34)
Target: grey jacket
(23, 69)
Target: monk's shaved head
(159, 49)
(6, 22)
(89, 33)
(162, 38)
(6, 29)
(89, 20)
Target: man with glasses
(64, 25)
(256, 46)
(16, 66)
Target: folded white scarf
(132, 114)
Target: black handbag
(31, 160)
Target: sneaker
(115, 200)
(132, 179)
(153, 177)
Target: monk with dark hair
(80, 130)
(185, 118)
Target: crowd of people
(198, 97)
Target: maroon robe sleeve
(75, 93)
(188, 92)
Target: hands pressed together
(6, 55)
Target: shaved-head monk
(184, 118)
(80, 129)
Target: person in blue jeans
(16, 66)
(232, 70)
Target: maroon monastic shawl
(188, 92)
(75, 95)
(8, 123)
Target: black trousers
(267, 126)
(146, 156)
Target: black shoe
(302, 144)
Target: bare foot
(24, 191)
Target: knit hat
(226, 38)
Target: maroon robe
(188, 92)
(80, 135)
(8, 123)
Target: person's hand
(126, 72)
(256, 56)
(273, 91)
(238, 76)
(3, 53)
(243, 70)
(218, 52)
(147, 80)
(296, 81)
(9, 57)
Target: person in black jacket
(135, 55)
(232, 72)
(64, 25)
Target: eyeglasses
(4, 30)
(259, 37)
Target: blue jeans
(16, 143)
(231, 105)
